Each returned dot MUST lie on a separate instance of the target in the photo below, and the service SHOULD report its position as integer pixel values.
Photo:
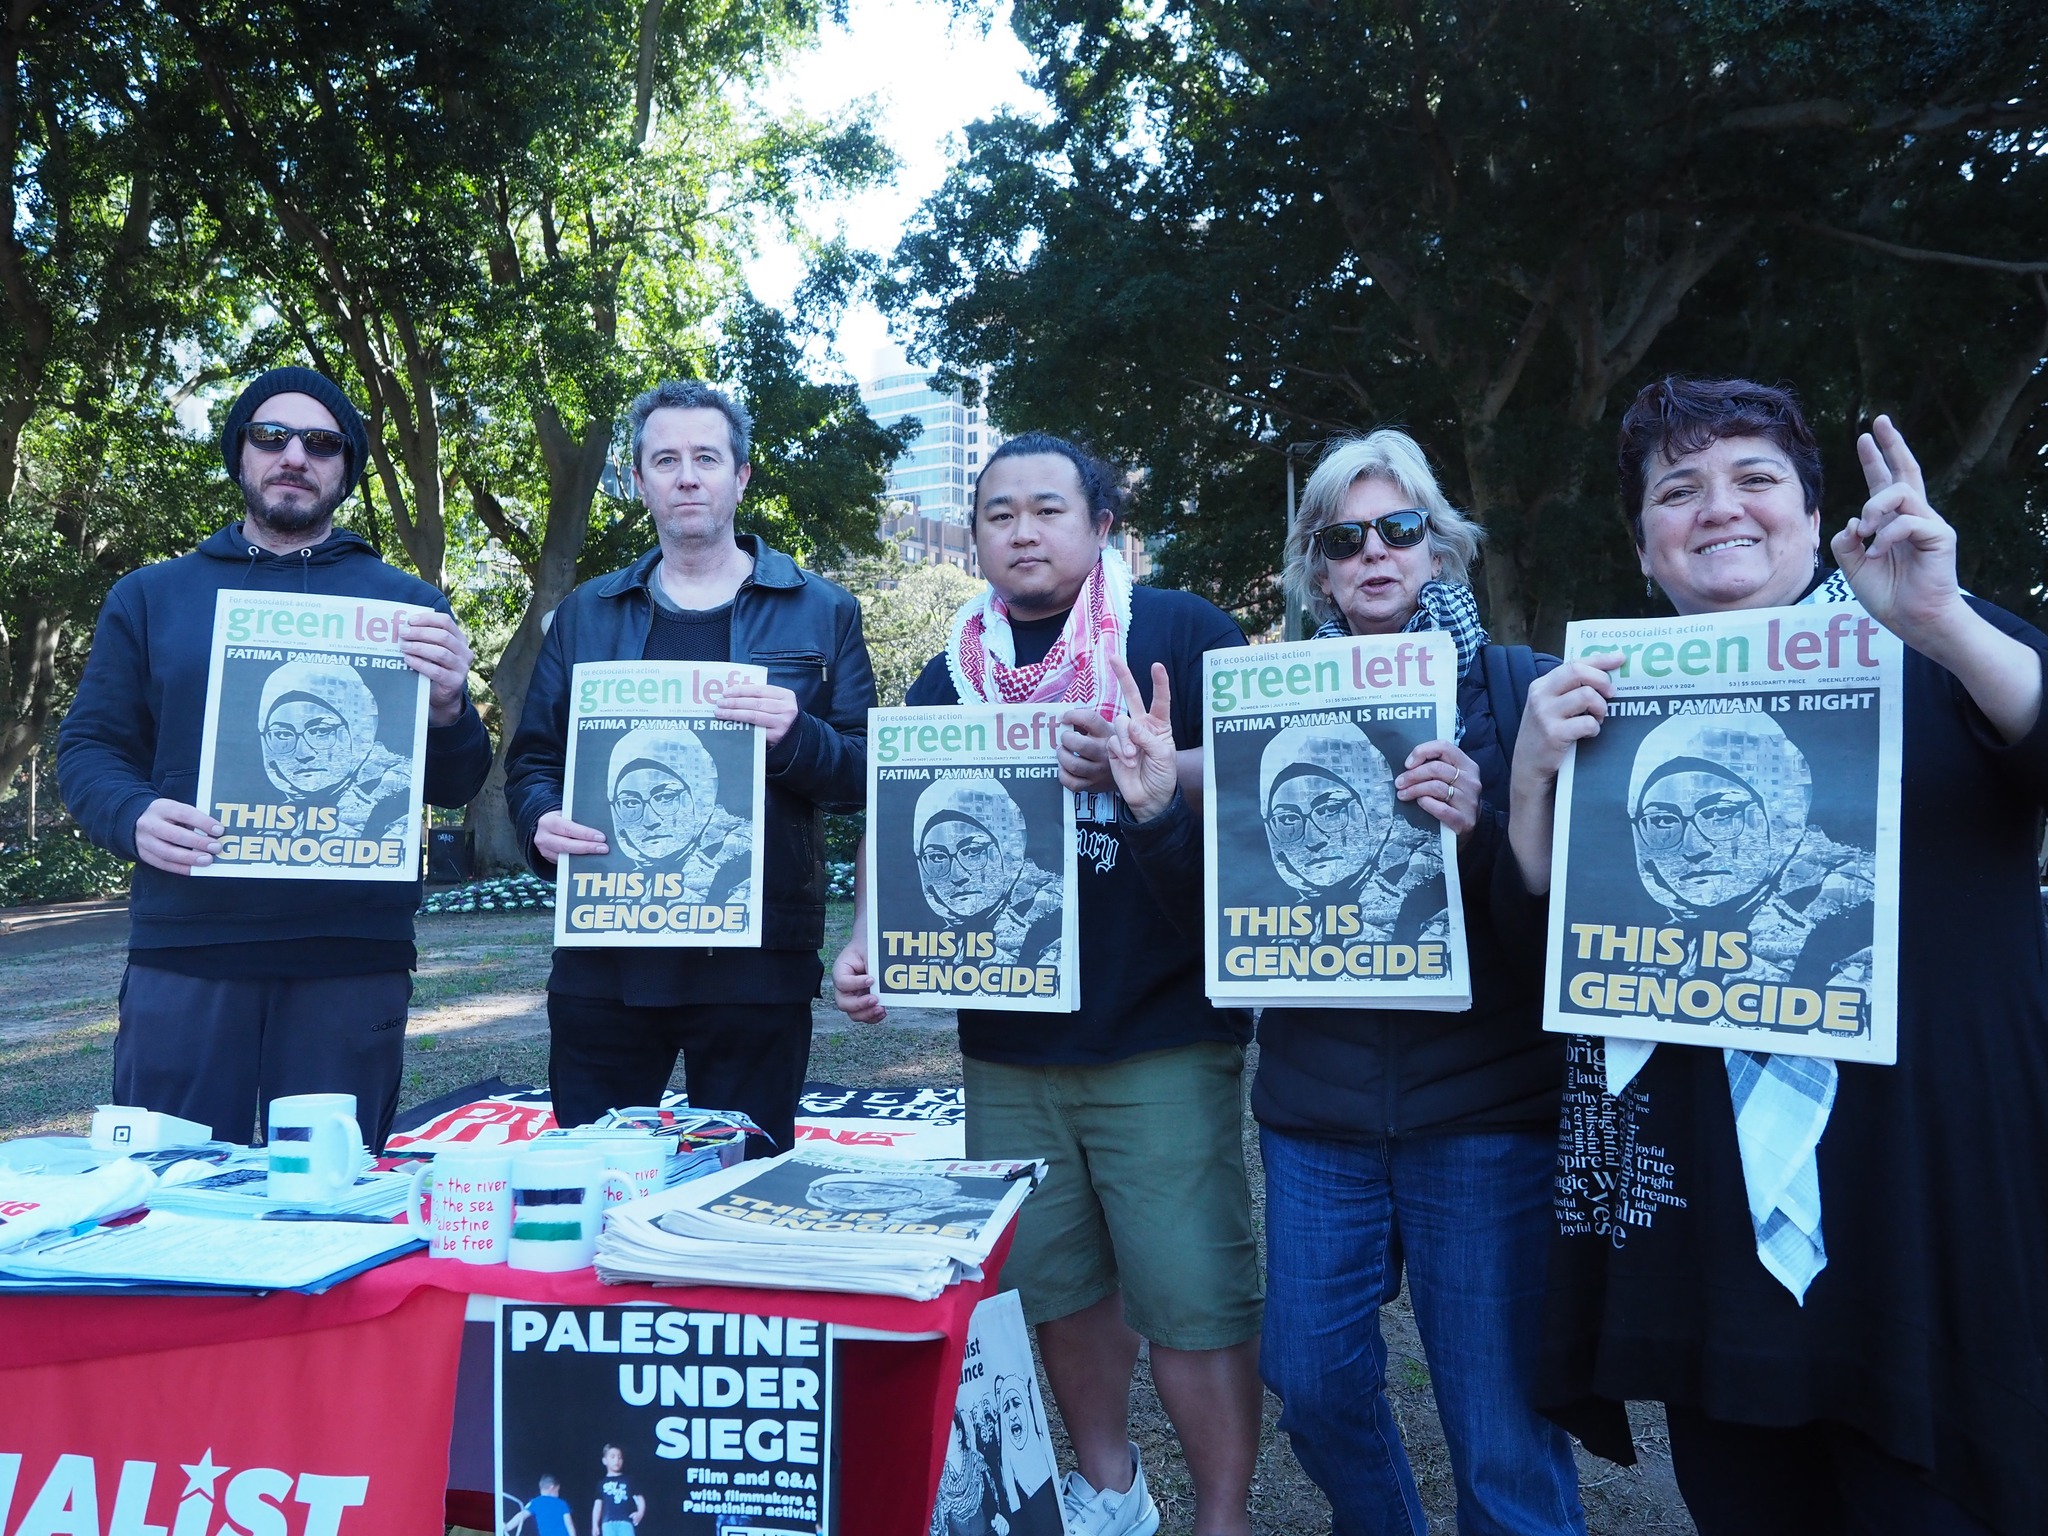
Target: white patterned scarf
(1781, 1105)
(981, 648)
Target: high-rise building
(936, 474)
(930, 488)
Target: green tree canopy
(1244, 228)
(110, 280)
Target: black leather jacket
(806, 631)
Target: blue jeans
(1471, 1213)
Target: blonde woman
(1389, 1133)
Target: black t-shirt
(669, 978)
(615, 1493)
(1141, 966)
(1035, 637)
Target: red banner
(292, 1415)
(332, 1432)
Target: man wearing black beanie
(240, 991)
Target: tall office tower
(930, 488)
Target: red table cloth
(290, 1415)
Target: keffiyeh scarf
(1781, 1105)
(981, 650)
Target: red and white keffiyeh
(981, 650)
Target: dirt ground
(479, 1011)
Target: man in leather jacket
(739, 1018)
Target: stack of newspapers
(822, 1221)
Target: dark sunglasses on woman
(321, 442)
(1397, 530)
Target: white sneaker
(1096, 1512)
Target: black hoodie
(132, 736)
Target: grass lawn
(478, 1012)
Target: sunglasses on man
(1397, 530)
(271, 437)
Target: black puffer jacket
(1350, 1074)
(806, 631)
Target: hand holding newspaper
(1725, 865)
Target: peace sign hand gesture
(1900, 554)
(1142, 757)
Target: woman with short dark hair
(1842, 1303)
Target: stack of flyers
(239, 1187)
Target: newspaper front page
(972, 880)
(1725, 868)
(665, 1420)
(313, 751)
(680, 796)
(1321, 886)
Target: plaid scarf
(1446, 605)
(981, 650)
(1782, 1104)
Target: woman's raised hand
(1566, 706)
(1142, 758)
(1899, 553)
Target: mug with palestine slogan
(558, 1200)
(316, 1147)
(471, 1216)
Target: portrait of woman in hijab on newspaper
(317, 727)
(662, 788)
(975, 873)
(1336, 836)
(1719, 805)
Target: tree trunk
(574, 465)
(30, 660)
(1493, 500)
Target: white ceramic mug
(316, 1147)
(558, 1200)
(645, 1167)
(643, 1160)
(471, 1216)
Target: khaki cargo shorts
(1145, 1189)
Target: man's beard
(290, 520)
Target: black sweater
(132, 736)
(1348, 1074)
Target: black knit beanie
(296, 381)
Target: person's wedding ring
(1457, 773)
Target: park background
(1204, 237)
